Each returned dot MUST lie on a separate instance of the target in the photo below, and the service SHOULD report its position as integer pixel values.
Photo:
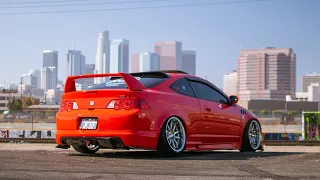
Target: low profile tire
(172, 139)
(86, 148)
(251, 137)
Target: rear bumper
(110, 139)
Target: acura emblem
(91, 103)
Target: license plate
(89, 123)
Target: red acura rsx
(167, 111)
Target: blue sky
(216, 32)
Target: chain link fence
(279, 117)
(266, 117)
(31, 117)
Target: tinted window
(206, 92)
(120, 84)
(183, 87)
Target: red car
(167, 111)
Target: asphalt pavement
(44, 161)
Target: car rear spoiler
(132, 83)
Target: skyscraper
(48, 78)
(230, 83)
(268, 73)
(308, 79)
(170, 55)
(89, 70)
(119, 56)
(189, 62)
(76, 63)
(135, 58)
(37, 74)
(149, 62)
(102, 56)
(50, 59)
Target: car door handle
(208, 109)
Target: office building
(170, 55)
(6, 96)
(309, 79)
(103, 56)
(76, 63)
(53, 97)
(37, 75)
(149, 62)
(89, 70)
(230, 83)
(29, 79)
(135, 58)
(50, 59)
(268, 73)
(189, 62)
(48, 78)
(312, 94)
(119, 56)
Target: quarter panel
(166, 104)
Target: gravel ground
(43, 161)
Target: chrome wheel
(175, 134)
(254, 135)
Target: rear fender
(172, 112)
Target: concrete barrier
(28, 126)
(27, 134)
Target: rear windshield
(120, 84)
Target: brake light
(128, 104)
(67, 105)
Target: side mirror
(233, 100)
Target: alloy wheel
(254, 135)
(175, 134)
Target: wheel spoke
(170, 136)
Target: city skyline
(130, 57)
(216, 32)
(34, 71)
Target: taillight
(68, 105)
(128, 104)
